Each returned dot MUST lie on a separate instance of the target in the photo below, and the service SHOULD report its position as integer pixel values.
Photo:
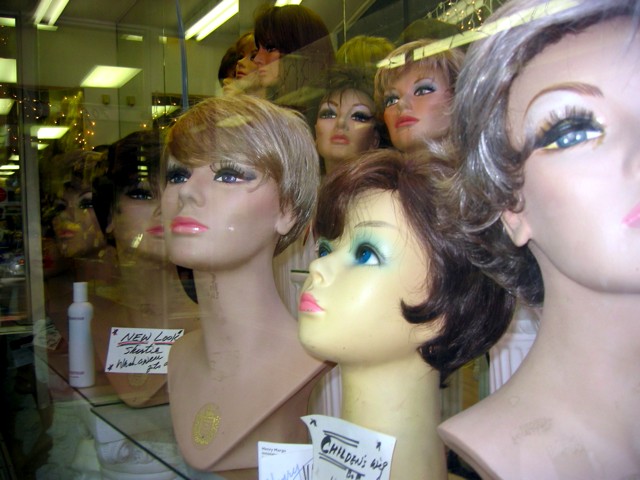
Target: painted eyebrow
(375, 224)
(575, 87)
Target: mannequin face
(417, 108)
(578, 99)
(357, 284)
(345, 126)
(220, 216)
(137, 224)
(246, 65)
(268, 61)
(76, 226)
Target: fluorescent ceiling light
(10, 166)
(131, 37)
(48, 133)
(8, 70)
(102, 76)
(14, 157)
(39, 146)
(5, 105)
(222, 12)
(49, 10)
(282, 3)
(49, 28)
(7, 22)
(160, 110)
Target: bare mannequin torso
(570, 410)
(244, 377)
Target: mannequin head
(406, 270)
(347, 124)
(508, 122)
(246, 48)
(364, 51)
(75, 225)
(127, 198)
(416, 96)
(238, 143)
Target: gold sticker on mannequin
(205, 425)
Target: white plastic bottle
(81, 357)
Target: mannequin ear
(286, 221)
(516, 226)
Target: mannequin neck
(401, 399)
(239, 307)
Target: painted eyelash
(364, 240)
(175, 170)
(573, 116)
(233, 168)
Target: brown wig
(472, 311)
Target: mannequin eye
(324, 248)
(424, 89)
(361, 117)
(576, 128)
(178, 174)
(327, 113)
(139, 194)
(367, 255)
(390, 100)
(232, 174)
(85, 202)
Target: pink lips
(633, 217)
(156, 231)
(406, 121)
(188, 226)
(340, 139)
(308, 304)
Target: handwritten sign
(284, 461)
(140, 350)
(342, 450)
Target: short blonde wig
(252, 131)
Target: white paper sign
(140, 350)
(284, 461)
(342, 450)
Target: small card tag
(140, 350)
(343, 450)
(284, 461)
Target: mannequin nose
(259, 59)
(191, 190)
(404, 102)
(319, 271)
(341, 122)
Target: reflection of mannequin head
(465, 330)
(75, 225)
(294, 49)
(347, 123)
(548, 202)
(208, 135)
(364, 51)
(415, 97)
(127, 198)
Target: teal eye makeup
(323, 248)
(574, 127)
(366, 254)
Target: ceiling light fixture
(49, 11)
(219, 14)
(103, 76)
(282, 3)
(8, 70)
(48, 133)
(5, 105)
